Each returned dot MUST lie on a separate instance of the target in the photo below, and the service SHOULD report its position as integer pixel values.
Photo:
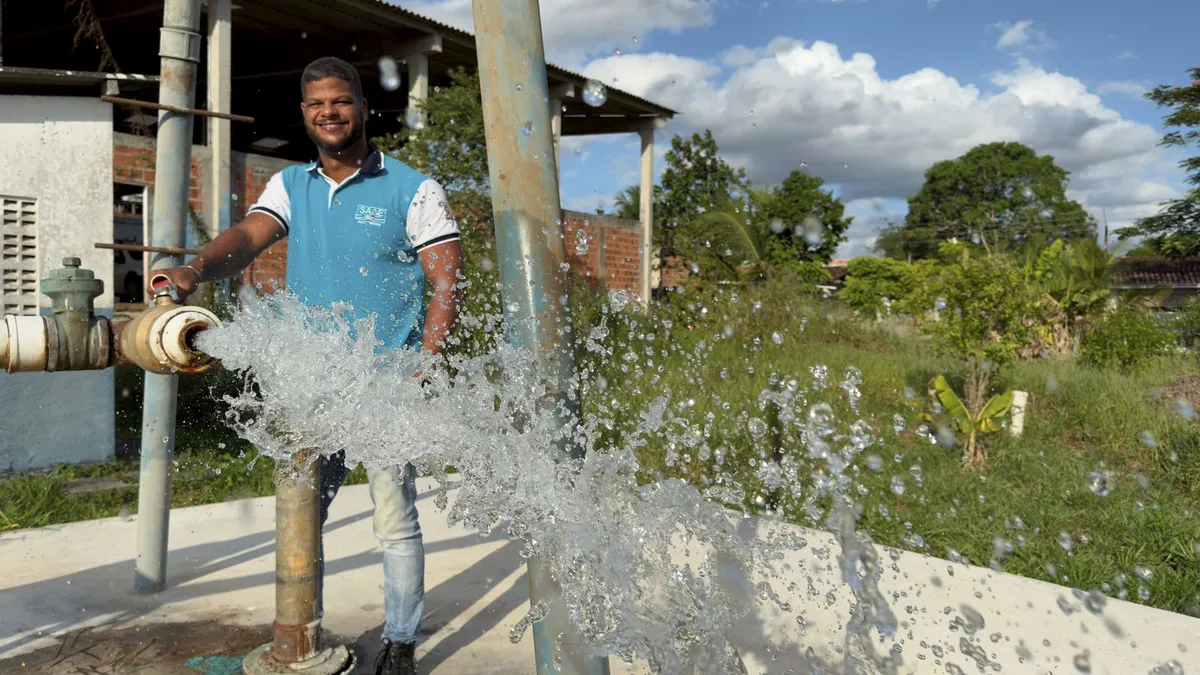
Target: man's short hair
(331, 66)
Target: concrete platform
(67, 605)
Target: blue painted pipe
(179, 49)
(530, 251)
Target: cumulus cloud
(1020, 36)
(789, 104)
(576, 29)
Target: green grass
(1079, 420)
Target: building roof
(272, 42)
(1145, 272)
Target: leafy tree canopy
(996, 195)
(695, 180)
(1175, 230)
(806, 221)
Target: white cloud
(772, 108)
(1126, 55)
(1021, 36)
(1014, 35)
(1123, 87)
(576, 29)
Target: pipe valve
(160, 339)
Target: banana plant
(986, 420)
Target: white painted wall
(59, 151)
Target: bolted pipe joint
(162, 339)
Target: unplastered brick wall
(611, 250)
(133, 163)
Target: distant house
(1167, 284)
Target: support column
(646, 211)
(220, 99)
(418, 88)
(179, 50)
(557, 95)
(417, 59)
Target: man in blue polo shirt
(367, 230)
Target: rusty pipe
(162, 339)
(297, 569)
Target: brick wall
(613, 249)
(133, 163)
(612, 244)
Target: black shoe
(396, 658)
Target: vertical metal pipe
(297, 537)
(646, 212)
(531, 251)
(179, 49)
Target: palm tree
(627, 203)
(732, 236)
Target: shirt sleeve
(430, 219)
(274, 202)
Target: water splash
(606, 537)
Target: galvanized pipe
(179, 50)
(531, 252)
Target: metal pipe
(531, 252)
(296, 647)
(134, 103)
(170, 250)
(297, 537)
(179, 50)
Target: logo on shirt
(370, 215)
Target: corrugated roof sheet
(562, 73)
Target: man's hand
(185, 277)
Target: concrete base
(329, 661)
(67, 604)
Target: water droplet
(1185, 408)
(777, 338)
(527, 128)
(520, 87)
(1065, 541)
(363, 271)
(594, 93)
(813, 231)
(777, 225)
(1083, 662)
(581, 243)
(389, 76)
(757, 427)
(1098, 482)
(875, 463)
(897, 485)
(618, 299)
(1147, 439)
(1051, 382)
(898, 424)
(940, 304)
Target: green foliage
(800, 212)
(1075, 274)
(870, 280)
(695, 180)
(987, 420)
(1127, 339)
(981, 304)
(1175, 230)
(997, 195)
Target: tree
(806, 222)
(995, 195)
(695, 180)
(1175, 230)
(981, 306)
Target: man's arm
(236, 248)
(434, 234)
(443, 267)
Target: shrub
(870, 280)
(1126, 338)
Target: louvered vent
(18, 256)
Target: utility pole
(531, 251)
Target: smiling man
(366, 230)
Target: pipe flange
(27, 338)
(337, 660)
(178, 331)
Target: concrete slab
(67, 605)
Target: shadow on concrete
(450, 599)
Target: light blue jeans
(399, 534)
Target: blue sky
(929, 81)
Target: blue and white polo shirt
(357, 242)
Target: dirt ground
(166, 649)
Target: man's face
(333, 119)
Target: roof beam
(592, 125)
